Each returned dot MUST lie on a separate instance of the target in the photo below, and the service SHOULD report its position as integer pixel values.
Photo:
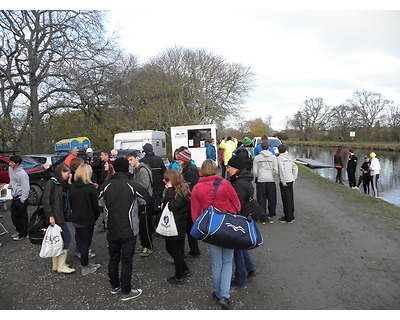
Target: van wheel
(35, 195)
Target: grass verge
(375, 206)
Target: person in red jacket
(225, 199)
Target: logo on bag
(52, 239)
(166, 222)
(235, 228)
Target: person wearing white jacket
(375, 170)
(287, 176)
(265, 168)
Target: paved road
(336, 256)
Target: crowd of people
(129, 194)
(369, 171)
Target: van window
(197, 138)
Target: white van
(273, 142)
(135, 140)
(194, 137)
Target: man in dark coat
(241, 181)
(122, 197)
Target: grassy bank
(371, 204)
(347, 144)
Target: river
(389, 178)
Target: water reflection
(389, 178)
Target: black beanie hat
(237, 162)
(121, 165)
(147, 148)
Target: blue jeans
(121, 250)
(243, 265)
(221, 266)
(66, 235)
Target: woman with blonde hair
(85, 212)
(177, 197)
(225, 199)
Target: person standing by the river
(351, 169)
(375, 169)
(338, 162)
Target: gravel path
(336, 256)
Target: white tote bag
(52, 245)
(166, 226)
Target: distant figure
(210, 150)
(19, 185)
(375, 169)
(258, 148)
(229, 145)
(73, 153)
(338, 162)
(351, 169)
(365, 176)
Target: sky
(297, 49)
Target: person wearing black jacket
(122, 197)
(351, 169)
(158, 169)
(190, 174)
(241, 179)
(177, 197)
(85, 211)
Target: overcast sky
(297, 49)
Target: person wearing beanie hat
(190, 174)
(147, 148)
(247, 141)
(375, 170)
(185, 156)
(156, 163)
(236, 162)
(122, 197)
(121, 165)
(241, 181)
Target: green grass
(374, 206)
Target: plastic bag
(52, 245)
(166, 225)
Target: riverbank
(372, 205)
(382, 146)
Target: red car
(28, 164)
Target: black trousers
(266, 191)
(19, 216)
(287, 200)
(194, 249)
(175, 247)
(352, 178)
(84, 240)
(145, 227)
(121, 250)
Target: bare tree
(343, 118)
(36, 46)
(311, 118)
(368, 106)
(196, 85)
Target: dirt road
(336, 256)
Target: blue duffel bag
(225, 229)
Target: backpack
(37, 226)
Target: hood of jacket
(80, 184)
(242, 174)
(266, 153)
